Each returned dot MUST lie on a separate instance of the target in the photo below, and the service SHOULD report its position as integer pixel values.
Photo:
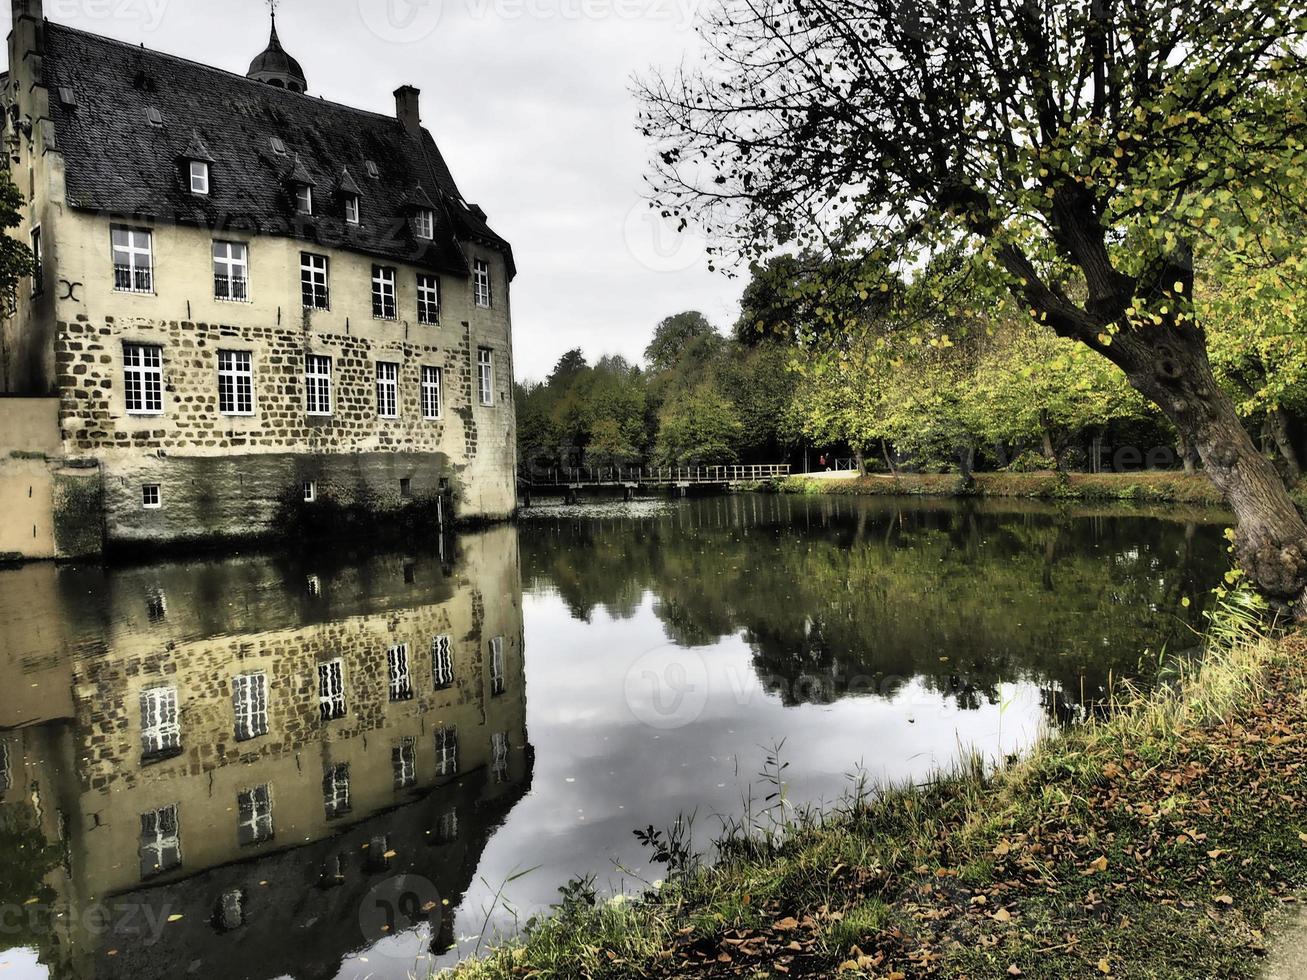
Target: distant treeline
(993, 391)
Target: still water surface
(269, 765)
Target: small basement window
(151, 497)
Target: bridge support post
(572, 496)
(526, 499)
(628, 494)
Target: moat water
(342, 763)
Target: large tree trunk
(1168, 364)
(1284, 443)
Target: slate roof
(118, 162)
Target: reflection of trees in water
(855, 599)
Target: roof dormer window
(353, 210)
(278, 146)
(424, 224)
(199, 177)
(371, 167)
(196, 160)
(304, 199)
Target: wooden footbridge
(571, 482)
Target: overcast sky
(529, 100)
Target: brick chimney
(406, 107)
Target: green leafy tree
(1080, 153)
(674, 335)
(698, 427)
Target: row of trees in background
(995, 392)
(699, 398)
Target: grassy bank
(1153, 486)
(1156, 843)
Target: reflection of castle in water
(231, 756)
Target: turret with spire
(274, 66)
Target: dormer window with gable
(351, 198)
(301, 183)
(424, 224)
(197, 161)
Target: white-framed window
(254, 815)
(199, 177)
(431, 385)
(353, 209)
(38, 263)
(143, 379)
(249, 700)
(335, 790)
(403, 761)
(447, 826)
(424, 224)
(313, 586)
(401, 681)
(133, 259)
(231, 271)
(442, 661)
(497, 666)
(331, 690)
(317, 384)
(387, 389)
(383, 292)
(499, 756)
(304, 199)
(485, 376)
(314, 286)
(235, 382)
(151, 496)
(161, 844)
(428, 298)
(447, 751)
(161, 733)
(481, 282)
(310, 489)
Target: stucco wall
(474, 442)
(47, 509)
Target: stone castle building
(222, 787)
(249, 303)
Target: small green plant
(672, 847)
